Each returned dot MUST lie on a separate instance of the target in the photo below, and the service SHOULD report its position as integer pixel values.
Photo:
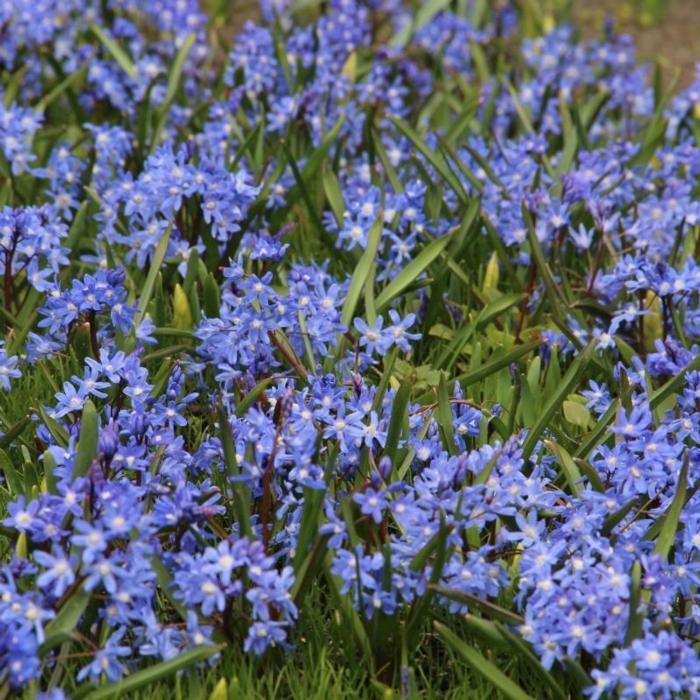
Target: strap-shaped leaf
(149, 285)
(152, 674)
(63, 625)
(436, 160)
(118, 54)
(87, 443)
(412, 271)
(672, 516)
(481, 665)
(568, 383)
(568, 466)
(361, 273)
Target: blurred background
(665, 29)
(668, 30)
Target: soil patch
(675, 38)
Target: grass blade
(87, 444)
(398, 417)
(149, 285)
(437, 161)
(63, 625)
(493, 366)
(12, 477)
(445, 418)
(153, 674)
(484, 606)
(568, 383)
(672, 516)
(569, 467)
(674, 385)
(173, 86)
(361, 273)
(118, 54)
(481, 665)
(415, 268)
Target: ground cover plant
(351, 354)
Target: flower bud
(384, 467)
(182, 314)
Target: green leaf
(421, 606)
(399, 413)
(674, 385)
(77, 228)
(576, 413)
(314, 162)
(361, 272)
(488, 313)
(389, 361)
(241, 495)
(520, 109)
(149, 285)
(8, 437)
(460, 124)
(568, 383)
(173, 85)
(436, 160)
(445, 417)
(176, 71)
(58, 432)
(50, 472)
(308, 527)
(305, 574)
(556, 298)
(523, 648)
(481, 665)
(212, 296)
(450, 155)
(63, 625)
(167, 332)
(591, 474)
(12, 84)
(12, 477)
(421, 558)
(87, 443)
(118, 54)
(672, 516)
(569, 467)
(591, 109)
(570, 136)
(636, 616)
(487, 632)
(252, 396)
(616, 517)
(164, 581)
(597, 435)
(152, 674)
(485, 166)
(489, 368)
(281, 342)
(166, 352)
(411, 272)
(66, 84)
(484, 606)
(25, 319)
(334, 195)
(393, 178)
